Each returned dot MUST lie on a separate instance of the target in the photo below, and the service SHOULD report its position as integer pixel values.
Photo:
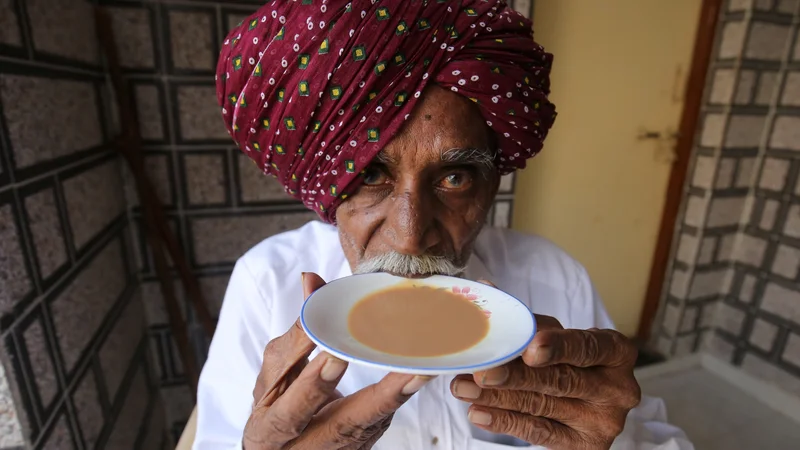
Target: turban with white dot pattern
(312, 90)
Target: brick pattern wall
(734, 286)
(72, 338)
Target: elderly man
(394, 121)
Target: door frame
(690, 115)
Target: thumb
(311, 282)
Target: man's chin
(419, 275)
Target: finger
(291, 412)
(487, 282)
(284, 354)
(564, 410)
(547, 323)
(560, 381)
(580, 348)
(535, 430)
(357, 417)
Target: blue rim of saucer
(347, 356)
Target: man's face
(426, 196)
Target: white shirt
(264, 299)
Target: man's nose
(412, 222)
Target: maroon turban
(312, 90)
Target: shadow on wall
(734, 286)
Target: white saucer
(325, 313)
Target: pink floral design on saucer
(472, 296)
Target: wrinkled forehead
(444, 127)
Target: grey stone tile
(14, 281)
(48, 118)
(764, 370)
(199, 115)
(767, 83)
(10, 426)
(191, 40)
(726, 245)
(684, 345)
(704, 169)
(672, 318)
(708, 314)
(204, 175)
(44, 373)
(782, 302)
(157, 166)
(713, 130)
(719, 347)
(748, 288)
(750, 250)
(787, 262)
(132, 416)
(213, 288)
(117, 351)
(763, 334)
(791, 353)
(255, 186)
(725, 172)
(87, 406)
(64, 28)
(60, 437)
(773, 174)
(9, 24)
(178, 403)
(744, 90)
(725, 211)
(730, 318)
(733, 34)
(664, 345)
(764, 5)
(792, 226)
(94, 199)
(687, 248)
(82, 307)
(48, 237)
(679, 283)
(502, 214)
(710, 283)
(722, 86)
(744, 131)
(154, 308)
(148, 109)
(707, 247)
(769, 214)
(225, 239)
(796, 53)
(766, 41)
(695, 211)
(786, 133)
(745, 173)
(787, 6)
(689, 319)
(133, 36)
(791, 89)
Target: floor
(717, 415)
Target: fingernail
(479, 417)
(415, 385)
(542, 355)
(467, 389)
(495, 377)
(333, 369)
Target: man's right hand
(296, 404)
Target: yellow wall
(595, 190)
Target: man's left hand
(572, 389)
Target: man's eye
(374, 176)
(457, 180)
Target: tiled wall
(73, 264)
(219, 203)
(734, 287)
(72, 342)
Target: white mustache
(408, 265)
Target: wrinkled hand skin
(296, 405)
(571, 389)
